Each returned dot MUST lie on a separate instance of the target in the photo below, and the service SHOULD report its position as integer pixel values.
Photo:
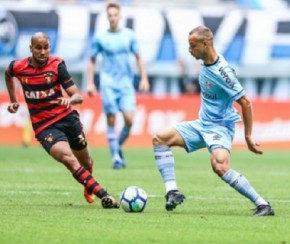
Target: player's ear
(205, 43)
(30, 48)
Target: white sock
(170, 185)
(260, 201)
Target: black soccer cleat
(109, 202)
(173, 198)
(264, 210)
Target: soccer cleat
(264, 210)
(118, 164)
(173, 198)
(90, 198)
(109, 202)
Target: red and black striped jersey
(40, 86)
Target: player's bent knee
(156, 140)
(69, 161)
(220, 169)
(219, 166)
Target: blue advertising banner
(250, 39)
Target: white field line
(196, 198)
(220, 199)
(31, 171)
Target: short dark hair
(203, 32)
(113, 5)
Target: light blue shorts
(197, 135)
(114, 100)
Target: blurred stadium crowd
(172, 73)
(254, 4)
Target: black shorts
(68, 129)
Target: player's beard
(40, 61)
(114, 26)
(195, 56)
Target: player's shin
(165, 164)
(243, 186)
(113, 142)
(124, 134)
(84, 177)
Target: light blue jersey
(116, 75)
(219, 89)
(215, 127)
(116, 49)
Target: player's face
(196, 47)
(40, 49)
(113, 17)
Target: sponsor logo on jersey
(48, 79)
(209, 96)
(39, 94)
(24, 80)
(226, 77)
(208, 84)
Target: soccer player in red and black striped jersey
(56, 124)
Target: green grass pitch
(40, 202)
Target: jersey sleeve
(230, 83)
(64, 77)
(95, 47)
(10, 70)
(134, 47)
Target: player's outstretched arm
(247, 113)
(91, 88)
(144, 83)
(11, 88)
(74, 97)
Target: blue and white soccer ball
(133, 199)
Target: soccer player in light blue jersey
(214, 128)
(117, 91)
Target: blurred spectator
(27, 133)
(191, 85)
(262, 4)
(189, 82)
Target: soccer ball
(133, 199)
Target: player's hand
(13, 107)
(91, 90)
(63, 101)
(144, 85)
(254, 147)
